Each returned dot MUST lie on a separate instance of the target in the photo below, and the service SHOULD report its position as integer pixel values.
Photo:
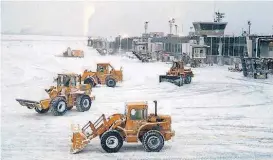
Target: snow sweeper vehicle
(177, 74)
(103, 75)
(73, 53)
(135, 125)
(69, 92)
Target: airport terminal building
(207, 40)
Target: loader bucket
(177, 80)
(79, 140)
(28, 103)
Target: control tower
(216, 28)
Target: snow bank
(221, 115)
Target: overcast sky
(113, 18)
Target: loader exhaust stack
(155, 108)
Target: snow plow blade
(28, 103)
(78, 141)
(177, 80)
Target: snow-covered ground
(221, 115)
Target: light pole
(249, 26)
(191, 30)
(182, 28)
(176, 29)
(176, 38)
(272, 31)
(146, 26)
(127, 44)
(119, 44)
(171, 22)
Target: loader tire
(41, 111)
(153, 141)
(181, 83)
(110, 82)
(187, 79)
(111, 141)
(83, 103)
(90, 82)
(58, 106)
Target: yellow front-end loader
(135, 125)
(69, 92)
(73, 53)
(105, 74)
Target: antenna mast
(219, 16)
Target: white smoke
(89, 10)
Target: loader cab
(103, 68)
(136, 113)
(174, 66)
(65, 80)
(177, 65)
